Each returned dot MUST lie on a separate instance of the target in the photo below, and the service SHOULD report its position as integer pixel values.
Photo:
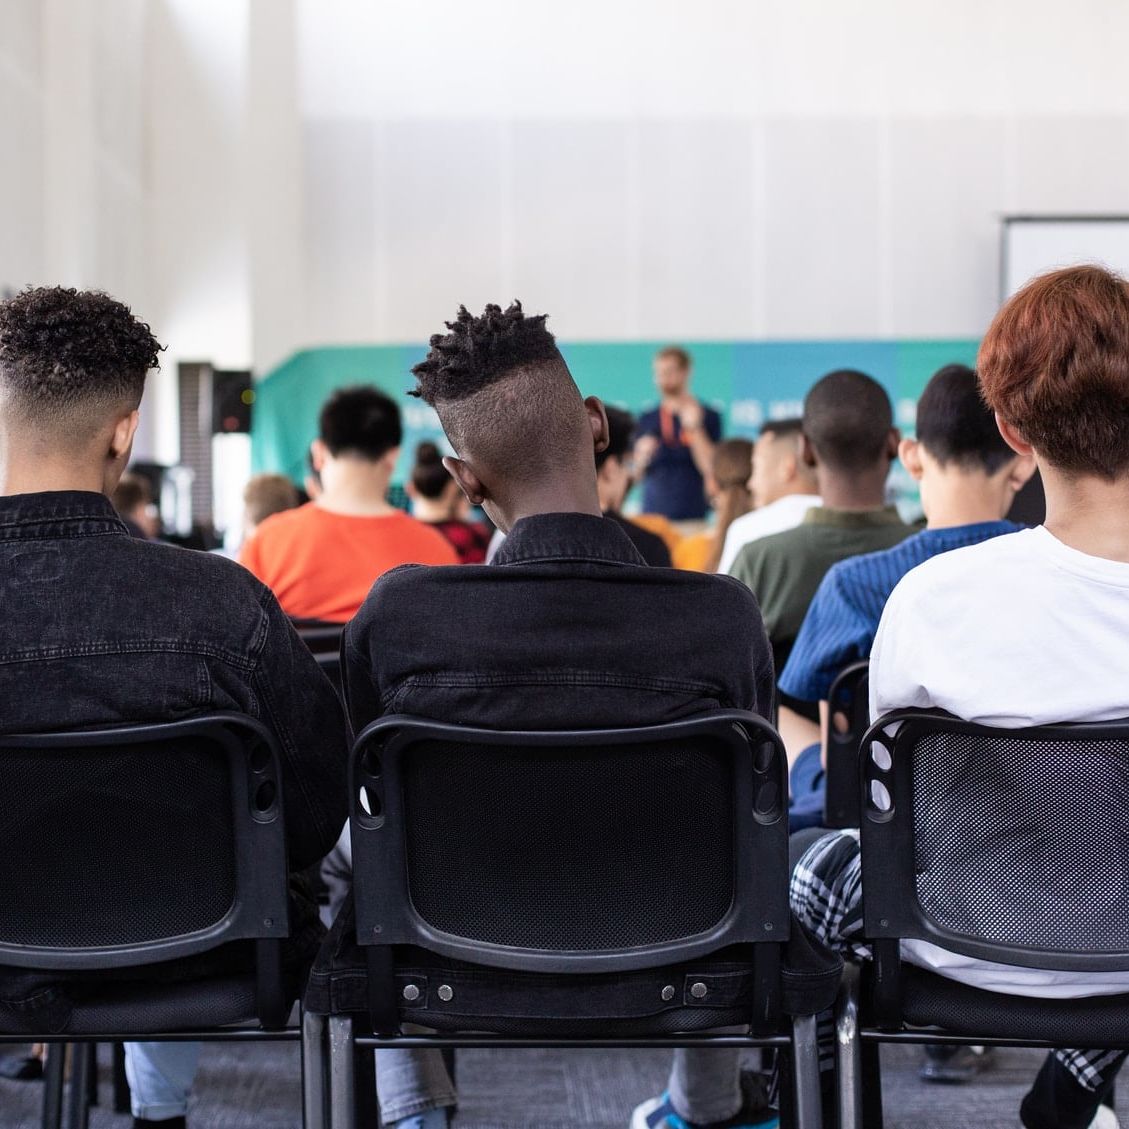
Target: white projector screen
(1034, 244)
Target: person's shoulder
(956, 572)
(284, 523)
(775, 544)
(727, 594)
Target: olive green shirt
(784, 569)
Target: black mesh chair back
(570, 852)
(1008, 845)
(848, 719)
(127, 846)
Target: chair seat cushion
(933, 1001)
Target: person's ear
(598, 421)
(807, 451)
(893, 438)
(1020, 472)
(319, 452)
(909, 451)
(391, 458)
(1012, 437)
(469, 482)
(121, 441)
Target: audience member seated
(653, 645)
(1027, 629)
(968, 478)
(675, 443)
(728, 488)
(321, 559)
(105, 629)
(850, 441)
(133, 501)
(613, 484)
(782, 485)
(437, 501)
(264, 495)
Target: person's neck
(854, 493)
(41, 477)
(960, 499)
(431, 509)
(555, 500)
(1088, 513)
(357, 490)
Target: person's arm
(301, 708)
(698, 432)
(897, 680)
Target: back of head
(1054, 365)
(71, 361)
(621, 427)
(131, 494)
(956, 427)
(847, 421)
(733, 463)
(505, 396)
(267, 494)
(360, 422)
(429, 475)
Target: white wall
(722, 169)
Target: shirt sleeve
(301, 707)
(748, 568)
(834, 634)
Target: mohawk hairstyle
(479, 350)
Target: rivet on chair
(668, 992)
(411, 993)
(446, 993)
(698, 989)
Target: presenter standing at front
(675, 443)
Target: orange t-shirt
(321, 565)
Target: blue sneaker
(659, 1113)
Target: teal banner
(748, 382)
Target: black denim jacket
(100, 628)
(566, 628)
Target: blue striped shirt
(841, 622)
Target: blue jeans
(160, 1076)
(807, 782)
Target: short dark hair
(675, 353)
(1055, 365)
(621, 427)
(429, 475)
(360, 421)
(66, 351)
(847, 419)
(782, 428)
(501, 387)
(955, 425)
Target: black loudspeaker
(232, 397)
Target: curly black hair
(61, 349)
(480, 350)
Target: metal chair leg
(314, 1070)
(78, 1106)
(848, 1055)
(53, 1075)
(342, 1081)
(122, 1102)
(805, 1049)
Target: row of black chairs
(610, 888)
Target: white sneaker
(1105, 1119)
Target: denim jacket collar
(58, 513)
(567, 536)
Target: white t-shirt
(1016, 631)
(776, 517)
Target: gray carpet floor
(256, 1087)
